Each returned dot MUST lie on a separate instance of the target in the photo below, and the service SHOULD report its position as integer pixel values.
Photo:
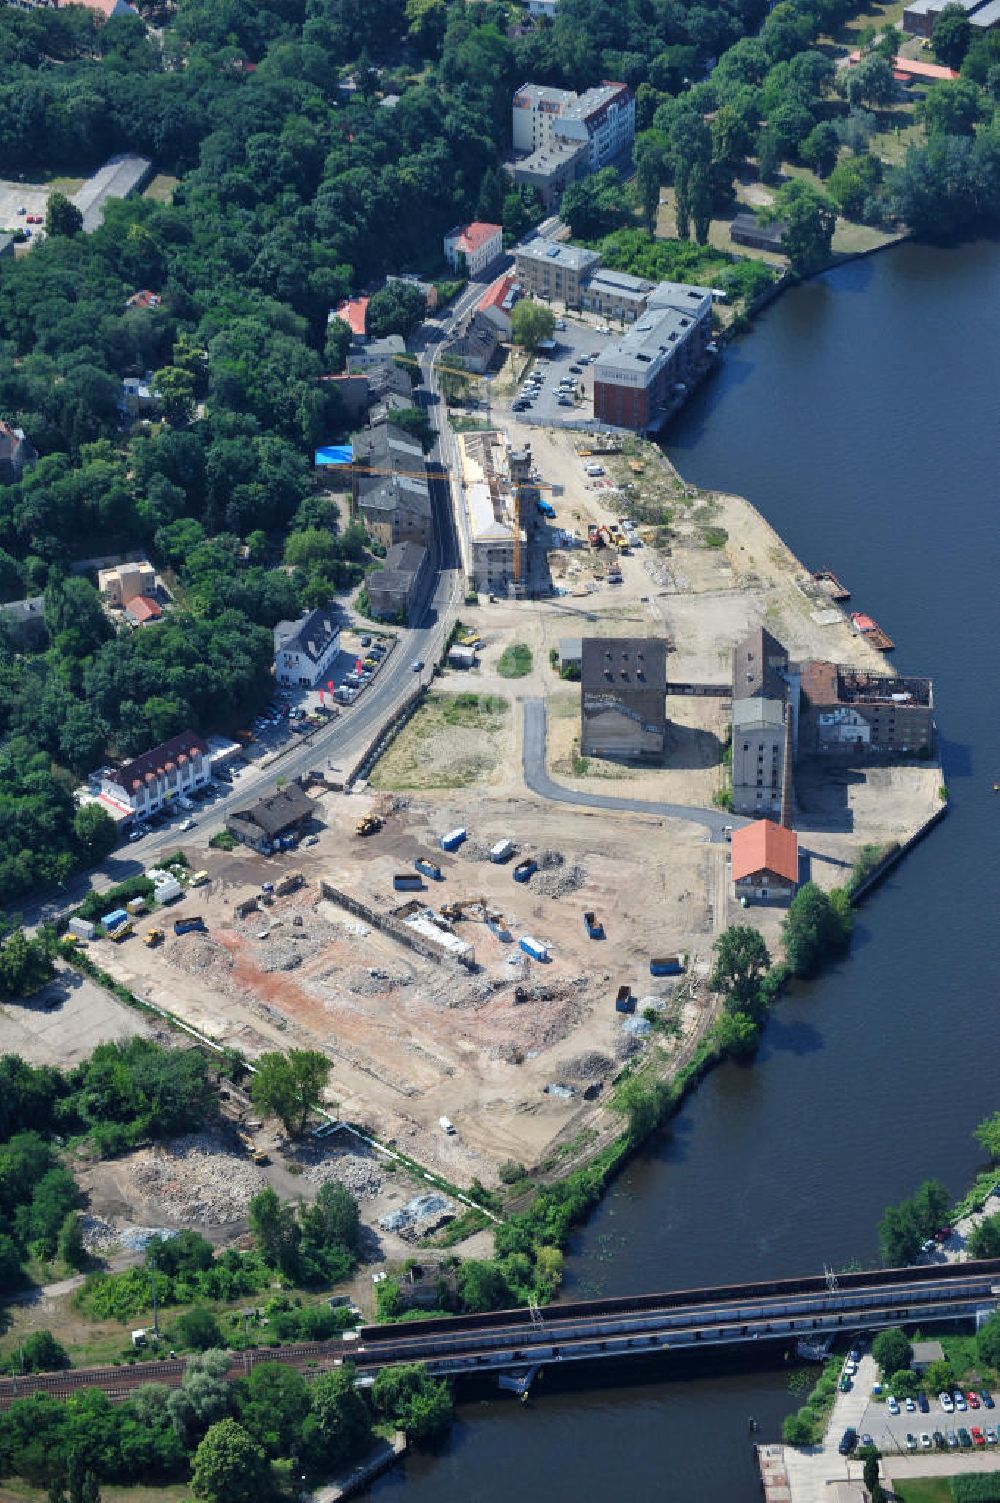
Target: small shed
(571, 653)
(926, 1352)
(746, 229)
(462, 657)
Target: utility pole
(152, 1286)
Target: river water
(861, 417)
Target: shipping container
(429, 869)
(81, 928)
(593, 926)
(136, 905)
(502, 851)
(407, 882)
(193, 921)
(114, 919)
(525, 869)
(624, 1002)
(534, 947)
(666, 965)
(453, 839)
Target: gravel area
(355, 1172)
(196, 1179)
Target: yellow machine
(153, 937)
(370, 825)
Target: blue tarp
(334, 454)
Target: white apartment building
(479, 244)
(145, 784)
(304, 650)
(603, 118)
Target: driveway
(537, 778)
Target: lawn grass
(515, 661)
(161, 189)
(923, 1490)
(17, 1491)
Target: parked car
(973, 1399)
(939, 1439)
(911, 1441)
(866, 1441)
(892, 1404)
(848, 1441)
(978, 1438)
(965, 1439)
(187, 824)
(947, 1402)
(987, 1398)
(952, 1439)
(417, 665)
(960, 1403)
(922, 1403)
(911, 1407)
(991, 1437)
(925, 1440)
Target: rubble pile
(355, 1172)
(557, 883)
(195, 1179)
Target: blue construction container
(624, 1002)
(593, 925)
(525, 869)
(534, 947)
(454, 839)
(115, 919)
(666, 965)
(429, 869)
(407, 882)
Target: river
(861, 417)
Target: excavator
(598, 536)
(369, 825)
(473, 908)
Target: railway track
(576, 1330)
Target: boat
(872, 632)
(828, 581)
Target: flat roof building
(393, 590)
(496, 534)
(746, 229)
(616, 294)
(640, 378)
(550, 269)
(623, 698)
(602, 119)
(551, 168)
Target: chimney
(786, 772)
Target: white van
(447, 1126)
(594, 470)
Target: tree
(275, 1230)
(892, 1351)
(797, 1429)
(595, 205)
(203, 1397)
(649, 154)
(904, 1384)
(175, 390)
(40, 1352)
(287, 1086)
(198, 1328)
(482, 1285)
(70, 1245)
(769, 154)
(272, 1404)
(853, 182)
(810, 219)
(412, 1401)
(95, 832)
(228, 1466)
(988, 1341)
(950, 108)
(741, 961)
(62, 217)
(820, 147)
(340, 1417)
(870, 1472)
(984, 1239)
(817, 927)
(987, 1135)
(869, 82)
(338, 343)
(522, 210)
(904, 1227)
(396, 309)
(738, 1034)
(951, 35)
(25, 966)
(939, 1376)
(531, 322)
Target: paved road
(538, 780)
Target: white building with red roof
(353, 312)
(477, 244)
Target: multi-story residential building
(305, 650)
(551, 168)
(474, 347)
(393, 591)
(143, 785)
(602, 119)
(761, 705)
(125, 581)
(476, 245)
(852, 712)
(497, 302)
(623, 700)
(642, 376)
(390, 491)
(550, 269)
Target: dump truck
(593, 925)
(121, 932)
(370, 825)
(153, 938)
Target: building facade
(549, 269)
(390, 489)
(617, 295)
(623, 698)
(602, 120)
(305, 650)
(760, 706)
(125, 581)
(497, 302)
(148, 782)
(496, 535)
(640, 378)
(477, 245)
(551, 169)
(16, 454)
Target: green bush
(515, 661)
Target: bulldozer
(153, 937)
(370, 825)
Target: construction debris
(558, 882)
(196, 1179)
(419, 1217)
(355, 1172)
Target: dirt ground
(64, 1022)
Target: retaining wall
(895, 857)
(385, 923)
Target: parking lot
(889, 1431)
(576, 345)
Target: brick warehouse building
(638, 379)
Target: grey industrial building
(393, 591)
(389, 485)
(623, 699)
(763, 724)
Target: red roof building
(765, 860)
(141, 610)
(497, 301)
(354, 313)
(907, 69)
(144, 299)
(476, 246)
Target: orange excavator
(597, 537)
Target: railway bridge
(514, 1342)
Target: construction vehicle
(257, 1154)
(478, 909)
(121, 932)
(597, 537)
(370, 825)
(153, 938)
